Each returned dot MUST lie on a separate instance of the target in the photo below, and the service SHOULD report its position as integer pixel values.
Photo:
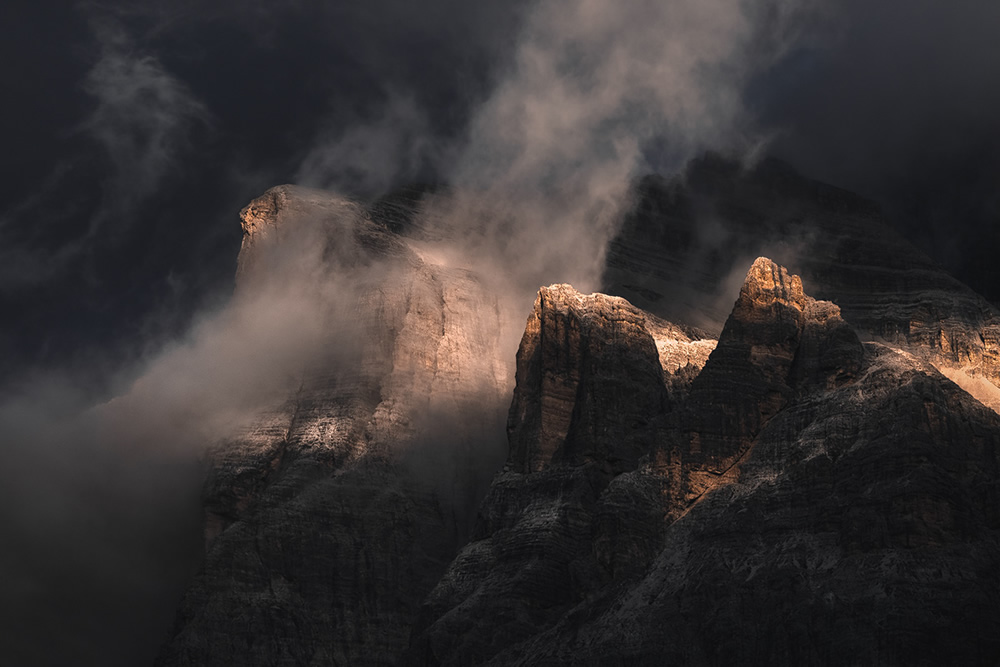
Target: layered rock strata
(777, 343)
(810, 500)
(862, 529)
(331, 516)
(682, 251)
(591, 399)
(788, 494)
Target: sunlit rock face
(569, 511)
(809, 500)
(777, 343)
(332, 514)
(591, 381)
(683, 249)
(793, 482)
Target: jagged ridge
(795, 507)
(654, 479)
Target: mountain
(329, 518)
(683, 250)
(812, 500)
(783, 479)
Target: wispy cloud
(139, 128)
(142, 119)
(595, 94)
(369, 156)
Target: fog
(537, 116)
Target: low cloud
(101, 502)
(142, 119)
(367, 157)
(594, 96)
(102, 540)
(142, 122)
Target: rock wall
(811, 500)
(331, 516)
(591, 401)
(862, 529)
(785, 494)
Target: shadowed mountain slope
(810, 487)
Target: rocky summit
(804, 503)
(811, 478)
(330, 516)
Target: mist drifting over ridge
(536, 188)
(587, 97)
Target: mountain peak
(654, 477)
(262, 212)
(290, 222)
(768, 283)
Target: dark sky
(899, 102)
(134, 133)
(133, 136)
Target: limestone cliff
(862, 529)
(811, 500)
(777, 343)
(807, 488)
(590, 402)
(590, 381)
(331, 516)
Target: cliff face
(862, 529)
(330, 517)
(807, 488)
(589, 384)
(590, 401)
(810, 500)
(778, 343)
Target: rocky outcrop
(590, 401)
(786, 494)
(331, 516)
(682, 250)
(589, 384)
(777, 343)
(862, 529)
(802, 503)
